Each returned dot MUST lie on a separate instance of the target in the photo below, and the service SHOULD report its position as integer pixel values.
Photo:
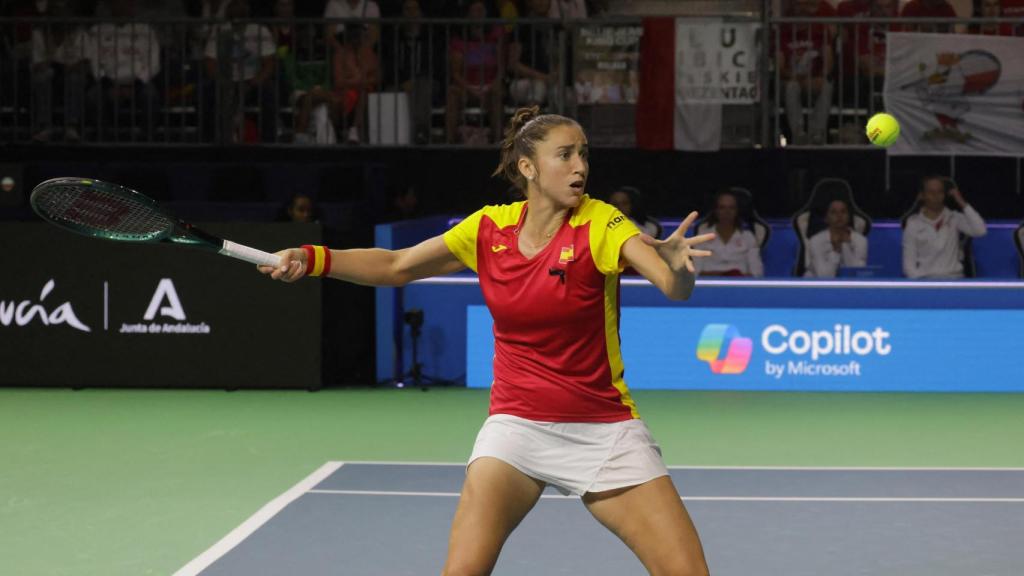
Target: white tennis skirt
(574, 457)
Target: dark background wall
(355, 184)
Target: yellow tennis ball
(883, 130)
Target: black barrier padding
(212, 322)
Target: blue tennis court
(381, 518)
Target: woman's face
(726, 209)
(476, 11)
(838, 215)
(301, 209)
(560, 166)
(621, 201)
(933, 195)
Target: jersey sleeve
(609, 230)
(461, 239)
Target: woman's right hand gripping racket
(105, 210)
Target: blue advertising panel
(825, 349)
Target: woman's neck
(543, 218)
(931, 213)
(725, 231)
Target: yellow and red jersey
(556, 315)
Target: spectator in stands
(208, 10)
(341, 33)
(410, 53)
(531, 54)
(59, 69)
(931, 237)
(300, 209)
(997, 9)
(356, 73)
(838, 245)
(404, 205)
(805, 62)
(864, 44)
(734, 250)
(927, 9)
(303, 75)
(124, 58)
(240, 58)
(630, 202)
(477, 70)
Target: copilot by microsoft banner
(804, 349)
(82, 312)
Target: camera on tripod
(415, 376)
(414, 318)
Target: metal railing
(409, 82)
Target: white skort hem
(574, 457)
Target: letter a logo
(165, 290)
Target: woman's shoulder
(916, 220)
(748, 236)
(502, 214)
(819, 236)
(594, 210)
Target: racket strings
(105, 212)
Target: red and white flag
(689, 68)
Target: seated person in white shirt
(734, 251)
(931, 238)
(837, 245)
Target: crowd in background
(304, 82)
(322, 74)
(832, 232)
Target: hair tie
(528, 122)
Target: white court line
(703, 498)
(245, 529)
(740, 468)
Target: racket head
(101, 210)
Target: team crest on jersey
(566, 254)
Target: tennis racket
(105, 210)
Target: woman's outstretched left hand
(677, 250)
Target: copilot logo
(722, 347)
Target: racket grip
(250, 255)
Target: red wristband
(327, 261)
(318, 260)
(310, 258)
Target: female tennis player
(560, 413)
